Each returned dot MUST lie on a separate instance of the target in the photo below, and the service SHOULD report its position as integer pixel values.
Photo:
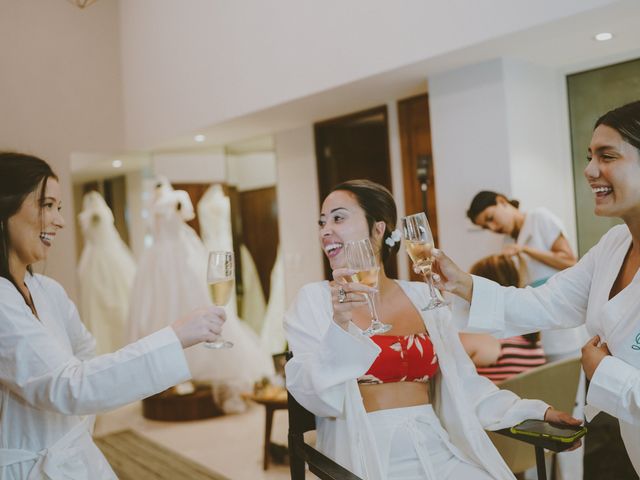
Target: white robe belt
(50, 460)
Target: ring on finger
(342, 295)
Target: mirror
(233, 192)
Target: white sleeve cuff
(487, 307)
(346, 355)
(167, 357)
(459, 311)
(609, 387)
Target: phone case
(579, 433)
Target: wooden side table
(273, 399)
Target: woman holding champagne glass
(51, 382)
(405, 403)
(601, 290)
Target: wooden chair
(301, 453)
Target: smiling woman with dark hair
(402, 405)
(51, 383)
(602, 290)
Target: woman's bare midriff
(394, 395)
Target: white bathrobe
(572, 297)
(51, 384)
(327, 361)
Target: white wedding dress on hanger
(214, 215)
(171, 281)
(105, 272)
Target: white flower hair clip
(394, 238)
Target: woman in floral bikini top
(404, 358)
(393, 370)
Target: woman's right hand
(200, 325)
(353, 296)
(449, 277)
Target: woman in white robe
(51, 383)
(403, 429)
(105, 273)
(602, 290)
(539, 237)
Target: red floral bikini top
(404, 358)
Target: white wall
(498, 126)
(397, 178)
(540, 140)
(298, 209)
(60, 92)
(188, 67)
(470, 153)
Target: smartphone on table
(554, 431)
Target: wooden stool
(171, 406)
(273, 398)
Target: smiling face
(341, 219)
(32, 229)
(613, 172)
(499, 218)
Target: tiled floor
(230, 445)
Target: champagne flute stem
(428, 278)
(432, 289)
(371, 299)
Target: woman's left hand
(592, 354)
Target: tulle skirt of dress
(171, 281)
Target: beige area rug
(134, 457)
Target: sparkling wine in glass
(361, 258)
(419, 244)
(220, 277)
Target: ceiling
(567, 45)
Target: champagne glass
(362, 259)
(419, 244)
(220, 277)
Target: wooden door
(417, 161)
(260, 230)
(352, 147)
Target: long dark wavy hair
(20, 175)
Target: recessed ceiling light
(199, 138)
(116, 163)
(604, 36)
